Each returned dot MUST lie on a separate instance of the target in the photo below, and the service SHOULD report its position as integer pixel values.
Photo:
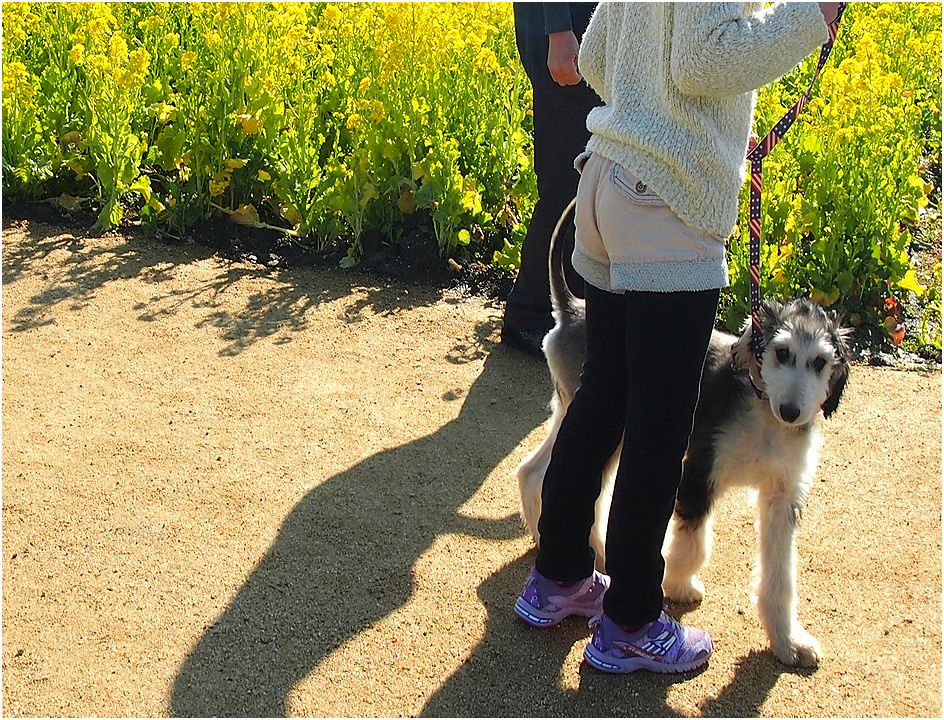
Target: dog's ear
(741, 350)
(770, 316)
(837, 381)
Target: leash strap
(756, 157)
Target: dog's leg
(602, 510)
(686, 550)
(530, 481)
(531, 472)
(687, 544)
(776, 590)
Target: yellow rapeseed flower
(188, 60)
(118, 49)
(97, 63)
(77, 54)
(217, 187)
(102, 21)
(17, 85)
(331, 15)
(138, 62)
(151, 23)
(355, 123)
(250, 124)
(377, 110)
(17, 23)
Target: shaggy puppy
(769, 444)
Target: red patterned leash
(756, 156)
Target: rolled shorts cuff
(592, 272)
(670, 276)
(655, 276)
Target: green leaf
(910, 282)
(142, 186)
(110, 215)
(170, 144)
(426, 195)
(153, 91)
(845, 280)
(106, 175)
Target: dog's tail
(562, 299)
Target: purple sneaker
(544, 602)
(662, 646)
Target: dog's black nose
(789, 412)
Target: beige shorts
(628, 238)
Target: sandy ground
(230, 490)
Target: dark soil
(414, 257)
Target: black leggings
(645, 353)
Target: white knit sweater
(678, 80)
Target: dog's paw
(800, 649)
(686, 591)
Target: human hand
(562, 48)
(830, 11)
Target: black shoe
(528, 341)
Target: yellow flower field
(331, 120)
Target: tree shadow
(279, 308)
(344, 556)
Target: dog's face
(806, 360)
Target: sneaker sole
(540, 619)
(608, 664)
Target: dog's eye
(783, 355)
(819, 363)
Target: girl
(657, 196)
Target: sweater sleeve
(591, 61)
(716, 50)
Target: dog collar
(758, 390)
(761, 395)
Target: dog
(769, 443)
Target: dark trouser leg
(560, 134)
(667, 338)
(588, 437)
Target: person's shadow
(344, 556)
(344, 559)
(516, 671)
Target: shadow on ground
(528, 661)
(326, 578)
(280, 307)
(305, 599)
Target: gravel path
(238, 491)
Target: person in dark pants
(548, 36)
(657, 197)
